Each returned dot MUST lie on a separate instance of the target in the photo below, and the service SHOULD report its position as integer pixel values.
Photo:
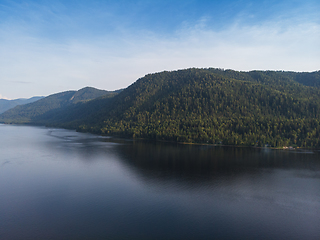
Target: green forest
(214, 106)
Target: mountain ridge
(6, 104)
(26, 113)
(209, 105)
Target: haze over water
(60, 184)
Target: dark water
(59, 184)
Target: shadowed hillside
(33, 112)
(8, 104)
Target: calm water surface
(60, 184)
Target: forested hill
(30, 113)
(206, 106)
(8, 104)
(215, 106)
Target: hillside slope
(214, 106)
(33, 112)
(8, 104)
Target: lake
(60, 184)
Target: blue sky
(53, 46)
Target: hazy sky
(51, 46)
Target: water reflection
(201, 163)
(60, 184)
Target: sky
(52, 46)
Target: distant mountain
(216, 106)
(29, 113)
(309, 79)
(8, 104)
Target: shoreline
(297, 149)
(285, 148)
